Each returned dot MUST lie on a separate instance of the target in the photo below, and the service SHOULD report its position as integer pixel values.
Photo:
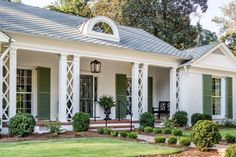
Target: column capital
(63, 55)
(76, 57)
(135, 64)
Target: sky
(213, 10)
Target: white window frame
(34, 88)
(222, 99)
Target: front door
(86, 94)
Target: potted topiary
(107, 102)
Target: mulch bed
(65, 135)
(190, 152)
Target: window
(102, 27)
(24, 91)
(216, 96)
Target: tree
(228, 22)
(230, 40)
(167, 19)
(207, 37)
(75, 7)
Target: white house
(45, 68)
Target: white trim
(135, 75)
(91, 54)
(12, 82)
(76, 84)
(62, 88)
(87, 29)
(172, 91)
(4, 38)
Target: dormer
(100, 27)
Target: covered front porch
(55, 86)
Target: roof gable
(219, 57)
(4, 38)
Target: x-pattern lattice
(5, 88)
(177, 91)
(140, 91)
(69, 90)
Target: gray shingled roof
(42, 22)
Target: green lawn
(223, 132)
(82, 147)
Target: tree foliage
(228, 21)
(230, 40)
(207, 37)
(167, 19)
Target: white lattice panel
(69, 90)
(140, 91)
(178, 91)
(5, 87)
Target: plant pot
(107, 112)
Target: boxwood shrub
(198, 116)
(148, 129)
(22, 124)
(100, 130)
(160, 139)
(123, 134)
(180, 118)
(114, 133)
(107, 131)
(141, 128)
(184, 141)
(147, 119)
(205, 134)
(80, 121)
(230, 151)
(132, 135)
(167, 131)
(157, 130)
(230, 138)
(177, 132)
(172, 140)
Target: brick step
(112, 121)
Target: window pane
(24, 91)
(216, 96)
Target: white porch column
(172, 91)
(145, 88)
(12, 82)
(1, 92)
(135, 73)
(76, 84)
(62, 88)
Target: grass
(82, 147)
(223, 132)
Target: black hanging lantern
(95, 66)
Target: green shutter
(43, 93)
(121, 87)
(229, 98)
(207, 94)
(150, 94)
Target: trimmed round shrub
(169, 123)
(22, 124)
(230, 151)
(172, 140)
(157, 130)
(205, 134)
(54, 128)
(132, 135)
(148, 129)
(107, 131)
(123, 134)
(100, 130)
(180, 118)
(141, 128)
(198, 116)
(147, 119)
(230, 138)
(114, 133)
(184, 141)
(160, 139)
(177, 132)
(80, 122)
(167, 131)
